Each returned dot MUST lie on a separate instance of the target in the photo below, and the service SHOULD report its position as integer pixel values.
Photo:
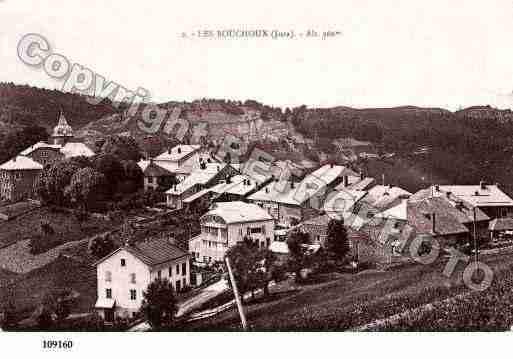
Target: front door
(109, 315)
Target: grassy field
(351, 300)
(64, 224)
(30, 288)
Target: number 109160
(57, 344)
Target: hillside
(22, 105)
(429, 144)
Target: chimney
(346, 181)
(448, 193)
(292, 185)
(331, 164)
(390, 186)
(476, 193)
(179, 150)
(266, 189)
(482, 184)
(361, 176)
(437, 188)
(169, 150)
(151, 160)
(433, 223)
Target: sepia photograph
(184, 168)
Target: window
(184, 283)
(184, 268)
(255, 230)
(132, 278)
(133, 294)
(170, 272)
(150, 179)
(159, 274)
(108, 293)
(123, 262)
(178, 286)
(177, 269)
(108, 276)
(44, 154)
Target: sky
(390, 52)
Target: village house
(125, 274)
(62, 145)
(18, 177)
(500, 229)
(289, 202)
(451, 225)
(207, 175)
(467, 214)
(489, 198)
(171, 166)
(228, 223)
(372, 244)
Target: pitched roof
(501, 224)
(152, 252)
(399, 211)
(199, 176)
(62, 128)
(41, 144)
(362, 184)
(177, 153)
(278, 192)
(238, 185)
(312, 184)
(384, 197)
(466, 208)
(447, 218)
(21, 163)
(75, 149)
(238, 212)
(486, 196)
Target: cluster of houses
(18, 175)
(379, 218)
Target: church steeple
(62, 132)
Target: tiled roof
(21, 163)
(384, 197)
(314, 183)
(29, 150)
(237, 212)
(490, 195)
(238, 185)
(199, 176)
(177, 153)
(362, 184)
(447, 218)
(156, 251)
(278, 192)
(152, 252)
(75, 149)
(465, 208)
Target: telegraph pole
(475, 236)
(237, 296)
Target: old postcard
(265, 166)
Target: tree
(243, 258)
(8, 312)
(123, 147)
(133, 177)
(298, 257)
(337, 244)
(101, 246)
(53, 180)
(111, 168)
(159, 304)
(16, 141)
(86, 188)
